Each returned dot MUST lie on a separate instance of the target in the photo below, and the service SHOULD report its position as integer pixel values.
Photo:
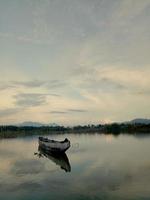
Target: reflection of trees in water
(60, 159)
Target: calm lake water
(95, 167)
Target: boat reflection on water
(60, 159)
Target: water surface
(100, 167)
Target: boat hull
(54, 146)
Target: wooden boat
(59, 159)
(54, 146)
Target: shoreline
(115, 129)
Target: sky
(74, 61)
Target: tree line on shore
(115, 128)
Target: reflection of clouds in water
(25, 167)
(75, 148)
(100, 179)
(57, 182)
(6, 153)
(116, 179)
(100, 170)
(5, 165)
(112, 167)
(17, 147)
(27, 185)
(139, 184)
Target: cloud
(30, 99)
(105, 85)
(77, 110)
(26, 39)
(58, 112)
(27, 186)
(112, 79)
(6, 86)
(67, 111)
(98, 58)
(15, 84)
(143, 92)
(8, 111)
(32, 83)
(54, 95)
(55, 84)
(45, 84)
(130, 78)
(131, 8)
(27, 167)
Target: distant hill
(139, 121)
(36, 124)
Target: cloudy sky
(74, 61)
